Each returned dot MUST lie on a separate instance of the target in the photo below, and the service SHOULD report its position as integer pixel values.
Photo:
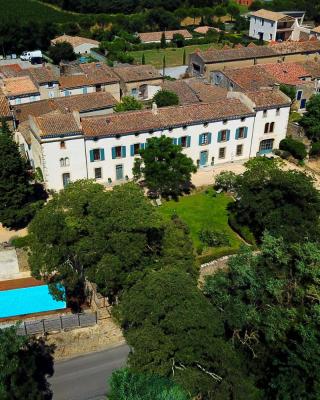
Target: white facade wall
(79, 90)
(84, 48)
(280, 117)
(24, 99)
(264, 26)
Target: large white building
(66, 147)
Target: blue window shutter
(174, 141)
(91, 156)
(237, 133)
(123, 151)
(179, 141)
(209, 137)
(245, 131)
(113, 150)
(142, 145)
(219, 136)
(200, 140)
(102, 154)
(188, 141)
(132, 150)
(228, 134)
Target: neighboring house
(203, 63)
(135, 79)
(276, 26)
(92, 77)
(203, 30)
(155, 37)
(67, 147)
(47, 83)
(90, 104)
(80, 44)
(19, 90)
(5, 111)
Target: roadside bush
(20, 242)
(241, 230)
(315, 149)
(295, 148)
(213, 238)
(226, 181)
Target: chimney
(154, 108)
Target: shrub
(295, 148)
(226, 181)
(241, 230)
(165, 98)
(315, 149)
(19, 242)
(213, 238)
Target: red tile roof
(287, 73)
(4, 107)
(57, 124)
(250, 78)
(75, 40)
(19, 86)
(269, 98)
(136, 73)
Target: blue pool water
(28, 301)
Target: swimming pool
(28, 300)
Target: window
(51, 94)
(62, 144)
(64, 162)
(33, 98)
(303, 103)
(134, 92)
(205, 124)
(97, 173)
(239, 150)
(204, 138)
(65, 179)
(266, 146)
(222, 152)
(84, 90)
(96, 154)
(224, 135)
(299, 94)
(269, 127)
(183, 141)
(118, 152)
(262, 22)
(66, 93)
(266, 127)
(271, 36)
(135, 148)
(241, 133)
(50, 85)
(265, 113)
(243, 119)
(18, 101)
(278, 111)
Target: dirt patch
(23, 260)
(86, 340)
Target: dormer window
(205, 124)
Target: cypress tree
(143, 59)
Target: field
(32, 10)
(203, 210)
(174, 56)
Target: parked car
(28, 55)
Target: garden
(205, 213)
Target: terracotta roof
(288, 73)
(182, 89)
(81, 103)
(270, 15)
(74, 40)
(316, 29)
(156, 36)
(205, 92)
(312, 67)
(24, 129)
(163, 118)
(42, 75)
(271, 50)
(250, 78)
(19, 86)
(136, 73)
(205, 29)
(269, 98)
(73, 81)
(99, 73)
(10, 71)
(57, 123)
(4, 107)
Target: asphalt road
(85, 377)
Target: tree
(226, 180)
(25, 364)
(294, 147)
(128, 103)
(126, 384)
(19, 198)
(143, 59)
(288, 90)
(233, 10)
(176, 333)
(311, 118)
(163, 166)
(165, 98)
(111, 238)
(285, 203)
(220, 11)
(178, 40)
(269, 306)
(163, 42)
(61, 51)
(184, 57)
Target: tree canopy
(128, 103)
(19, 197)
(165, 98)
(61, 51)
(311, 118)
(174, 332)
(25, 364)
(285, 203)
(269, 305)
(126, 384)
(112, 238)
(163, 166)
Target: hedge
(315, 149)
(294, 147)
(242, 230)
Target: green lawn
(174, 56)
(202, 210)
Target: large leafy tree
(269, 303)
(165, 98)
(286, 203)
(128, 103)
(61, 51)
(163, 166)
(25, 364)
(19, 197)
(112, 238)
(311, 119)
(174, 332)
(126, 384)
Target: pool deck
(19, 283)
